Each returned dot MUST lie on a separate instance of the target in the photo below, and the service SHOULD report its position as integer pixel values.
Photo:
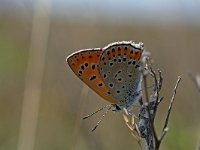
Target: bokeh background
(42, 101)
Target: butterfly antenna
(96, 111)
(94, 128)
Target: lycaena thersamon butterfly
(112, 72)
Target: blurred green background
(37, 36)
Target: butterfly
(112, 72)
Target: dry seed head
(133, 120)
(126, 111)
(125, 118)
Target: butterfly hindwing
(118, 66)
(84, 64)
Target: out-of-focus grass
(175, 51)
(181, 136)
(12, 67)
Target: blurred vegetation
(174, 48)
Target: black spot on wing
(86, 64)
(111, 85)
(93, 66)
(124, 59)
(93, 77)
(82, 67)
(137, 66)
(100, 84)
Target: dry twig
(144, 127)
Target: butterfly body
(112, 72)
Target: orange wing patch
(137, 55)
(85, 64)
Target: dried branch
(133, 127)
(171, 103)
(160, 80)
(163, 135)
(144, 127)
(146, 104)
(165, 128)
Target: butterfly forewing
(118, 66)
(84, 64)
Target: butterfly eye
(117, 107)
